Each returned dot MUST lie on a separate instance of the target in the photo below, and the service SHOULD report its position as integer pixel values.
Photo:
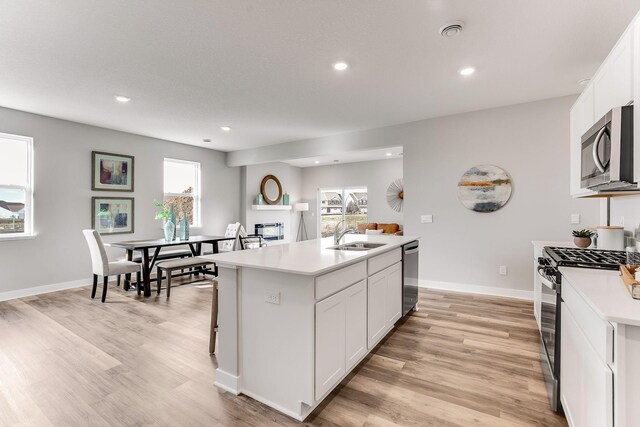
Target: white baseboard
(37, 290)
(476, 289)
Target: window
(16, 168)
(338, 204)
(182, 189)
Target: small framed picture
(111, 172)
(112, 215)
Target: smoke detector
(584, 82)
(451, 29)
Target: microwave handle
(596, 145)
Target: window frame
(344, 191)
(197, 193)
(28, 232)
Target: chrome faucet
(338, 236)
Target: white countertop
(310, 257)
(540, 244)
(605, 292)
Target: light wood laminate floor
(66, 360)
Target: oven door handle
(548, 283)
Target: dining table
(150, 249)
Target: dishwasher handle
(411, 251)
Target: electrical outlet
(425, 219)
(575, 218)
(272, 297)
(502, 270)
(622, 221)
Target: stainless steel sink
(356, 246)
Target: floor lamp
(302, 228)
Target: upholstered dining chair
(102, 266)
(235, 230)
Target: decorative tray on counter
(630, 282)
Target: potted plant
(582, 238)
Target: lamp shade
(301, 206)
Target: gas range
(584, 258)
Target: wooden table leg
(127, 277)
(146, 272)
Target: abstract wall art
(484, 188)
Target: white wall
(290, 179)
(62, 195)
(625, 211)
(531, 142)
(461, 247)
(375, 175)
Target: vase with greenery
(165, 215)
(582, 238)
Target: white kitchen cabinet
(384, 302)
(586, 380)
(330, 342)
(582, 118)
(377, 315)
(356, 324)
(394, 294)
(613, 82)
(341, 335)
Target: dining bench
(180, 264)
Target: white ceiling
(348, 157)
(264, 67)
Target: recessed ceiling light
(467, 71)
(121, 98)
(317, 162)
(206, 140)
(388, 154)
(225, 128)
(340, 66)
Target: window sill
(20, 237)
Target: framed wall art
(111, 172)
(112, 215)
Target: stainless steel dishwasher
(410, 258)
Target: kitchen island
(295, 319)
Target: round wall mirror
(271, 190)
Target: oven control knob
(543, 261)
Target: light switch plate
(502, 270)
(425, 219)
(575, 218)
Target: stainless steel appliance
(270, 231)
(550, 299)
(607, 152)
(410, 258)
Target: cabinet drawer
(598, 331)
(380, 262)
(337, 280)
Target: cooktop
(586, 258)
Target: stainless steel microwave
(607, 152)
